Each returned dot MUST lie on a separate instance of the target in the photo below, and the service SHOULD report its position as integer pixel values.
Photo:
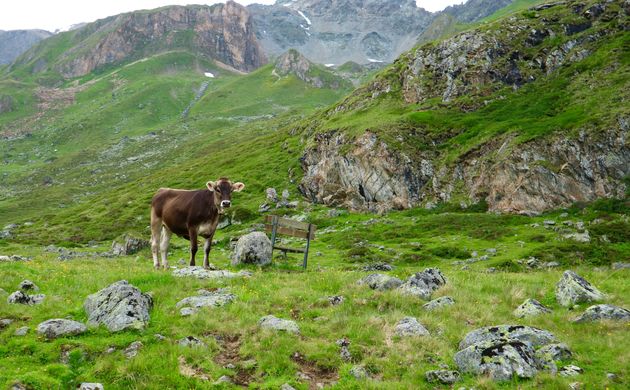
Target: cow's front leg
(206, 252)
(193, 245)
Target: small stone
(492, 251)
(159, 337)
(619, 265)
(252, 248)
(272, 195)
(549, 222)
(529, 308)
(570, 370)
(572, 289)
(377, 267)
(19, 298)
(27, 285)
(208, 299)
(422, 284)
(344, 352)
(604, 312)
(575, 386)
(224, 379)
(91, 386)
(279, 324)
(445, 377)
(409, 326)
(439, 303)
(359, 372)
(59, 327)
(287, 386)
(23, 331)
(525, 334)
(191, 342)
(132, 350)
(612, 377)
(5, 322)
(336, 300)
(110, 350)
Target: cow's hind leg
(164, 243)
(156, 232)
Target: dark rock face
(222, 32)
(15, 42)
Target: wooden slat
(289, 223)
(289, 231)
(292, 250)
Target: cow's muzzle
(226, 203)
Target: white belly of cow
(207, 229)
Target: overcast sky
(59, 14)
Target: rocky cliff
(293, 62)
(15, 42)
(221, 32)
(402, 164)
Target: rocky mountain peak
(222, 32)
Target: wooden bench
(277, 225)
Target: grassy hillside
(81, 161)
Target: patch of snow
(329, 65)
(373, 60)
(304, 16)
(208, 74)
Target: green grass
(366, 317)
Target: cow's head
(222, 190)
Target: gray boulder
(128, 245)
(422, 284)
(529, 308)
(274, 323)
(501, 359)
(91, 386)
(59, 327)
(380, 282)
(205, 298)
(188, 311)
(572, 289)
(202, 273)
(119, 306)
(409, 326)
(604, 312)
(22, 298)
(620, 265)
(438, 303)
(525, 334)
(445, 377)
(252, 248)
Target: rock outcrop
(292, 62)
(381, 170)
(15, 42)
(118, 307)
(279, 324)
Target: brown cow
(188, 214)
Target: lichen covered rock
(119, 306)
(572, 289)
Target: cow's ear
(237, 187)
(211, 185)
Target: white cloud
(60, 14)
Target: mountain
(525, 114)
(221, 32)
(15, 42)
(362, 31)
(334, 32)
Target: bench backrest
(290, 227)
